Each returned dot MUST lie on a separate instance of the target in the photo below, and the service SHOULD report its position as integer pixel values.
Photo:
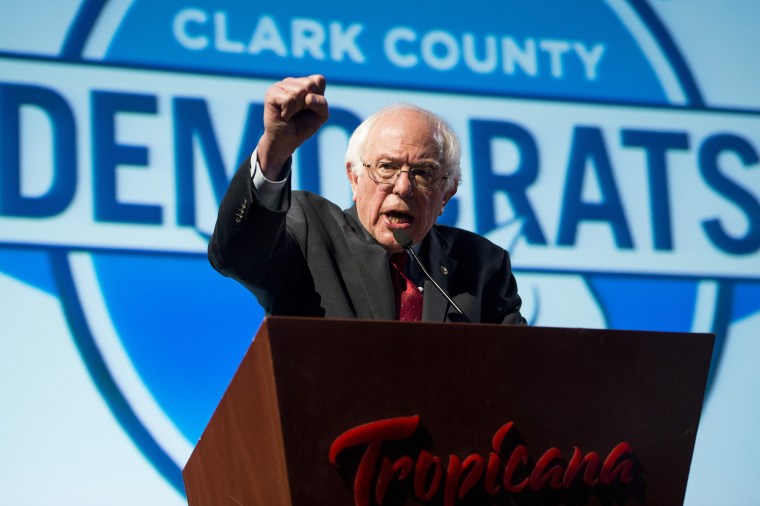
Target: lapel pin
(444, 270)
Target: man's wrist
(273, 163)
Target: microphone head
(402, 238)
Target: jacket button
(444, 270)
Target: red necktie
(408, 296)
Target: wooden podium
(343, 412)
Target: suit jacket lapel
(435, 255)
(369, 283)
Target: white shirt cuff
(270, 193)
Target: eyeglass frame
(399, 171)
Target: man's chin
(386, 239)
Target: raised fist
(294, 109)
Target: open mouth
(399, 218)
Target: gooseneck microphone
(406, 242)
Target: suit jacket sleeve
(507, 302)
(252, 245)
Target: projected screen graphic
(606, 154)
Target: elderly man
(302, 255)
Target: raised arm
(250, 242)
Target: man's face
(404, 138)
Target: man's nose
(403, 184)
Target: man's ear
(353, 179)
(447, 196)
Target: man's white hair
(446, 140)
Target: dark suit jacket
(317, 260)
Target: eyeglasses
(424, 176)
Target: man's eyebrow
(397, 161)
